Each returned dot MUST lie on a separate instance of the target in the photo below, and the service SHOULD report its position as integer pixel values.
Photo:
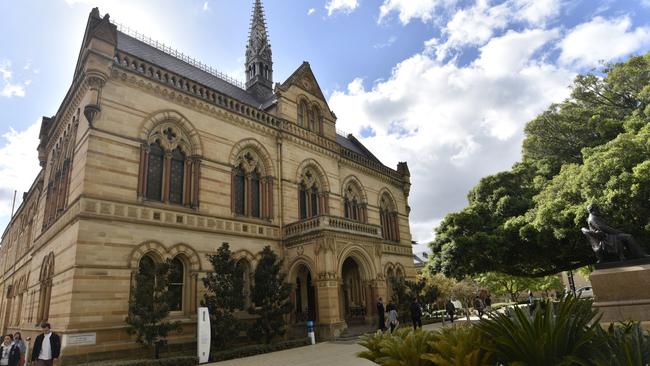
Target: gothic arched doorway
(304, 295)
(353, 295)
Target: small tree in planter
(270, 294)
(149, 305)
(224, 295)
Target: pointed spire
(259, 60)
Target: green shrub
(172, 361)
(402, 348)
(626, 344)
(459, 345)
(569, 337)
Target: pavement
(338, 353)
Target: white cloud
(410, 9)
(9, 87)
(454, 124)
(345, 6)
(602, 40)
(206, 6)
(18, 164)
(388, 43)
(311, 11)
(476, 25)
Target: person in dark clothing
(381, 312)
(450, 309)
(390, 306)
(416, 314)
(47, 347)
(9, 352)
(488, 303)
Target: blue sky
(446, 85)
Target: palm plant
(626, 344)
(459, 346)
(569, 337)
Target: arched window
(302, 111)
(147, 271)
(47, 273)
(255, 194)
(313, 115)
(353, 205)
(177, 176)
(389, 218)
(155, 172)
(252, 191)
(168, 172)
(240, 191)
(312, 201)
(175, 285)
(246, 289)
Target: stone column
(330, 323)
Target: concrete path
(320, 354)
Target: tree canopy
(592, 148)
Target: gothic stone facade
(152, 156)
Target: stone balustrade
(331, 223)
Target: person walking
(9, 352)
(22, 346)
(488, 303)
(450, 309)
(416, 314)
(478, 306)
(392, 317)
(531, 303)
(47, 347)
(381, 312)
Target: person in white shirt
(47, 347)
(9, 353)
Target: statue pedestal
(622, 291)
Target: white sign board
(203, 335)
(80, 339)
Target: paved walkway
(320, 354)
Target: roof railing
(179, 55)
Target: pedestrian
(416, 314)
(47, 347)
(381, 311)
(392, 318)
(488, 303)
(531, 303)
(9, 352)
(478, 306)
(450, 309)
(22, 346)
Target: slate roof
(143, 51)
(157, 57)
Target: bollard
(310, 331)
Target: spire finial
(259, 60)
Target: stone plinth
(622, 293)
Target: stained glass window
(303, 202)
(176, 178)
(176, 280)
(155, 172)
(314, 201)
(240, 191)
(255, 194)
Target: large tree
(224, 295)
(149, 305)
(270, 294)
(593, 147)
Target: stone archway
(354, 303)
(303, 295)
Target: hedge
(172, 361)
(257, 349)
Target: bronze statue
(608, 243)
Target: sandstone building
(153, 156)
